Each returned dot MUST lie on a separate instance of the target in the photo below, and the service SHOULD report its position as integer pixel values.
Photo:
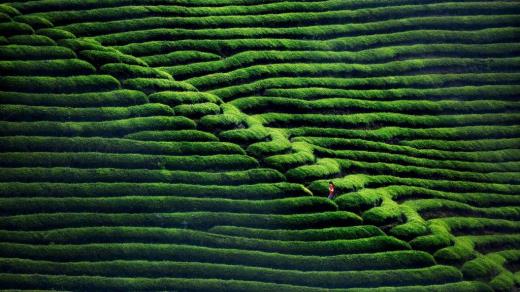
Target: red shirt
(331, 189)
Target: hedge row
(398, 277)
(256, 104)
(173, 98)
(31, 40)
(34, 21)
(90, 99)
(370, 120)
(197, 110)
(24, 52)
(464, 154)
(403, 86)
(132, 161)
(173, 136)
(431, 208)
(196, 220)
(100, 58)
(476, 225)
(106, 128)
(114, 145)
(179, 57)
(79, 175)
(56, 33)
(289, 19)
(358, 181)
(228, 47)
(72, 84)
(322, 248)
(323, 168)
(370, 156)
(324, 234)
(263, 191)
(394, 68)
(403, 193)
(311, 90)
(102, 283)
(35, 113)
(478, 138)
(125, 71)
(15, 28)
(152, 204)
(107, 12)
(483, 144)
(415, 171)
(302, 154)
(246, 58)
(371, 261)
(327, 31)
(152, 85)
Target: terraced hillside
(188, 145)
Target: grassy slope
(188, 145)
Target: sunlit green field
(188, 145)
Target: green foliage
(115, 145)
(67, 67)
(72, 84)
(262, 191)
(174, 98)
(90, 99)
(132, 161)
(56, 33)
(199, 220)
(15, 28)
(103, 129)
(31, 40)
(35, 22)
(100, 58)
(24, 52)
(179, 57)
(35, 113)
(158, 204)
(179, 135)
(197, 110)
(125, 71)
(324, 168)
(152, 85)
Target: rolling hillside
(188, 144)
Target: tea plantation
(188, 145)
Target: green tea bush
(179, 135)
(61, 174)
(179, 57)
(94, 160)
(115, 145)
(263, 191)
(125, 71)
(34, 113)
(24, 52)
(100, 58)
(56, 33)
(15, 28)
(152, 85)
(197, 220)
(35, 22)
(149, 204)
(104, 129)
(89, 99)
(31, 40)
(351, 232)
(67, 67)
(197, 110)
(174, 98)
(72, 84)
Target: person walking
(331, 190)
